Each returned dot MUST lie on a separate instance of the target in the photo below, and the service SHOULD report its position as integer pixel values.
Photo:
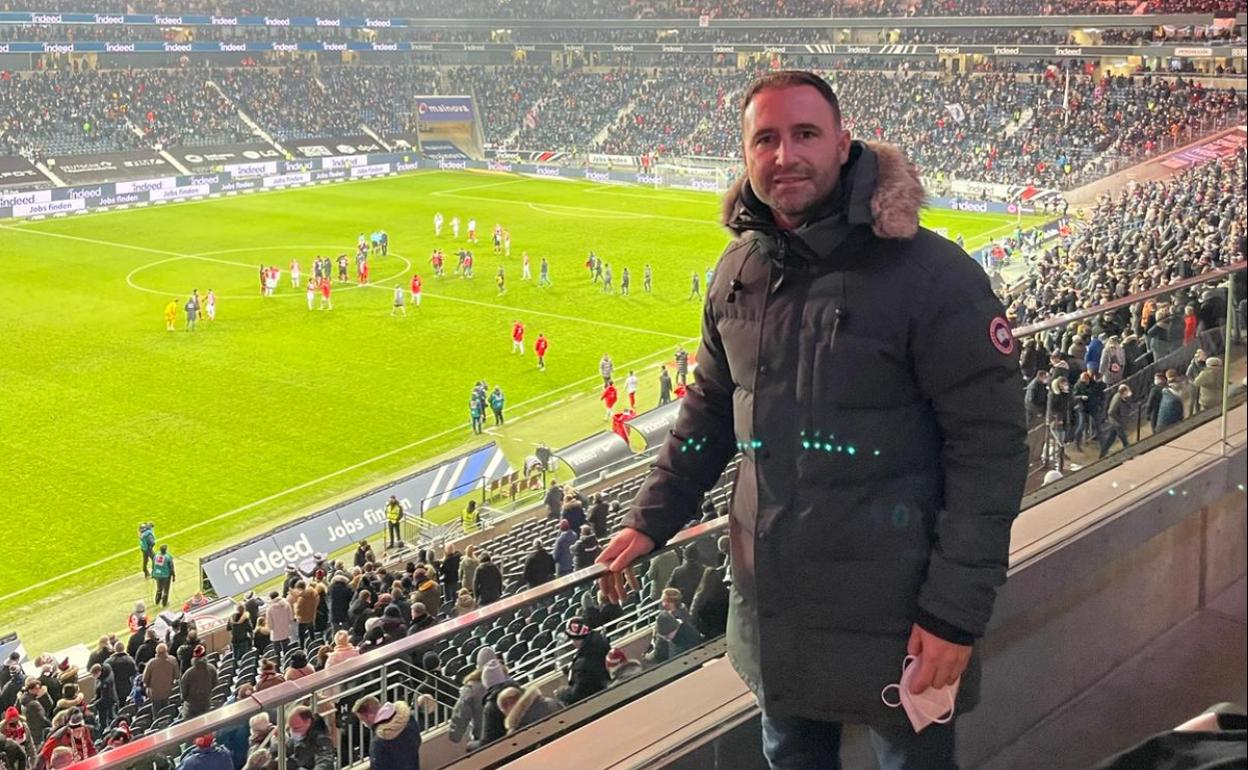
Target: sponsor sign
(90, 169)
(548, 171)
(452, 164)
(262, 559)
(1006, 50)
(176, 193)
(16, 171)
(9, 200)
(370, 170)
(1193, 51)
(281, 180)
(594, 453)
(597, 159)
(344, 161)
(49, 207)
(250, 169)
(948, 50)
(330, 147)
(147, 185)
(653, 426)
(432, 109)
(597, 176)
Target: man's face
(794, 148)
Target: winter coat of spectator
(468, 568)
(339, 596)
(564, 562)
(396, 734)
(487, 584)
(161, 675)
(621, 667)
(688, 575)
(588, 673)
(1113, 365)
(672, 636)
(662, 565)
(124, 671)
(305, 605)
(281, 618)
(448, 573)
(596, 516)
(206, 755)
(464, 603)
(573, 513)
(709, 607)
(1209, 384)
(523, 708)
(465, 721)
(198, 684)
(311, 747)
(554, 501)
(428, 593)
(1170, 410)
(539, 566)
(586, 548)
(269, 675)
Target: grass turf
(108, 419)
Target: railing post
(384, 680)
(281, 736)
(1227, 334)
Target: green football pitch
(108, 419)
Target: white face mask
(932, 706)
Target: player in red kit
(540, 348)
(517, 338)
(326, 303)
(609, 396)
(416, 290)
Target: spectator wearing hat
(390, 628)
(262, 735)
(564, 563)
(281, 621)
(522, 708)
(464, 603)
(1208, 385)
(198, 683)
(586, 548)
(74, 735)
(466, 714)
(1113, 361)
(620, 666)
(539, 565)
(672, 636)
(487, 584)
(17, 731)
(207, 755)
(588, 672)
(147, 649)
(186, 653)
(495, 679)
(396, 734)
(290, 582)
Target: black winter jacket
(867, 374)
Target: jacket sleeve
(462, 715)
(699, 445)
(966, 365)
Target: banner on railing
(654, 425)
(242, 567)
(594, 453)
(16, 171)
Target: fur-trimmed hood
(531, 707)
(883, 190)
(392, 720)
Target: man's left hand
(940, 663)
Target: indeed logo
(459, 164)
(285, 46)
(119, 47)
(547, 171)
(177, 47)
(1005, 50)
(175, 20)
(88, 192)
(328, 22)
(101, 18)
(335, 46)
(270, 21)
(58, 47)
(649, 179)
(376, 22)
(385, 46)
(981, 206)
(225, 21)
(233, 46)
(1069, 51)
(597, 176)
(948, 49)
(202, 180)
(268, 562)
(45, 18)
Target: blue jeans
(794, 743)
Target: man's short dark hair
(791, 79)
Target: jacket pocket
(863, 596)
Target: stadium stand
(617, 9)
(994, 127)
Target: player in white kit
(455, 227)
(525, 273)
(472, 231)
(312, 292)
(437, 225)
(210, 305)
(294, 274)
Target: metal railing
(390, 672)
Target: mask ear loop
(905, 663)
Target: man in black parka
(866, 372)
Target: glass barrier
(433, 658)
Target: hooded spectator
(564, 563)
(487, 584)
(396, 734)
(523, 708)
(586, 549)
(198, 684)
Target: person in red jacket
(1190, 324)
(517, 338)
(540, 346)
(609, 397)
(326, 302)
(416, 289)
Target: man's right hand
(625, 548)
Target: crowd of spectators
(621, 9)
(575, 35)
(988, 126)
(67, 112)
(576, 107)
